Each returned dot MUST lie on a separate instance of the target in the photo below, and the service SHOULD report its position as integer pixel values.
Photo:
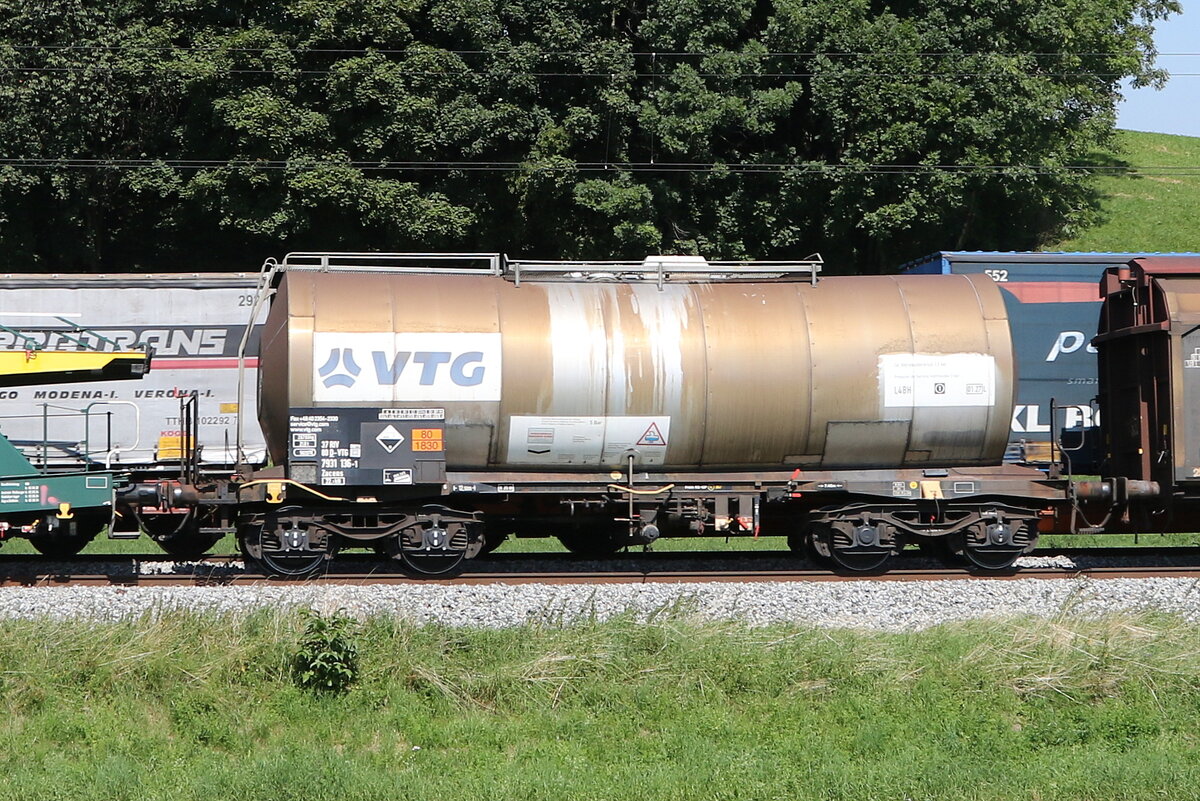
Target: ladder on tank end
(661, 270)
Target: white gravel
(878, 605)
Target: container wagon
(194, 323)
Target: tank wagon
(430, 406)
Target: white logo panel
(406, 367)
(937, 379)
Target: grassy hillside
(1147, 212)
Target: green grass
(191, 707)
(103, 545)
(1118, 540)
(552, 545)
(1146, 213)
(144, 545)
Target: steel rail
(98, 570)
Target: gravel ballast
(863, 604)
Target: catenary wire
(848, 75)
(559, 53)
(301, 164)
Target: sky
(1175, 109)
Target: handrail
(38, 450)
(453, 263)
(661, 269)
(112, 451)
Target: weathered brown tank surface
(849, 372)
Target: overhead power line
(615, 74)
(582, 166)
(577, 53)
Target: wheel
(285, 545)
(996, 546)
(180, 535)
(800, 540)
(433, 564)
(853, 545)
(433, 549)
(61, 538)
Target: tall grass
(186, 707)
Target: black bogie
(299, 541)
(285, 542)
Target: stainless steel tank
(852, 372)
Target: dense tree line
(205, 134)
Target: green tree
(197, 134)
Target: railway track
(151, 570)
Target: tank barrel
(744, 370)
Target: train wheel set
(439, 541)
(295, 541)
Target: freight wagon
(59, 512)
(192, 322)
(429, 406)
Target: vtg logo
(466, 369)
(350, 368)
(406, 367)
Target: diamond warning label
(389, 438)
